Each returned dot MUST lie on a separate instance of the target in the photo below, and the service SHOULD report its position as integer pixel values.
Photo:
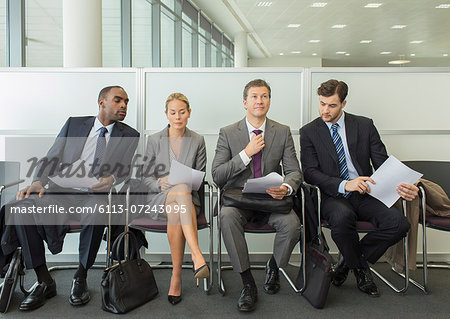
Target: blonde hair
(179, 97)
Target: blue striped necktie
(343, 170)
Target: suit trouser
(342, 215)
(232, 221)
(31, 238)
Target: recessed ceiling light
(339, 26)
(341, 52)
(398, 26)
(443, 6)
(365, 41)
(296, 52)
(373, 5)
(314, 41)
(293, 25)
(319, 4)
(399, 61)
(386, 52)
(412, 54)
(416, 42)
(445, 54)
(314, 54)
(347, 54)
(281, 53)
(264, 4)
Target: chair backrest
(435, 171)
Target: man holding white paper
(338, 151)
(250, 148)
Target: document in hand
(260, 184)
(388, 176)
(182, 174)
(74, 176)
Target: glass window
(111, 33)
(3, 35)
(213, 56)
(167, 39)
(186, 46)
(201, 52)
(141, 33)
(169, 3)
(43, 33)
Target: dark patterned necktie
(257, 160)
(99, 151)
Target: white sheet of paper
(75, 181)
(182, 174)
(388, 176)
(260, 184)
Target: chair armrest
(3, 187)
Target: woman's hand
(164, 183)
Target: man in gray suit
(254, 147)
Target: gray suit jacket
(193, 154)
(228, 170)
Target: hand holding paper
(388, 177)
(182, 174)
(260, 184)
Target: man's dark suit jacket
(319, 158)
(120, 150)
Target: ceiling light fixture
(314, 54)
(416, 42)
(399, 61)
(365, 41)
(281, 53)
(412, 54)
(264, 4)
(296, 52)
(445, 54)
(318, 4)
(398, 26)
(341, 52)
(339, 26)
(386, 52)
(347, 54)
(293, 25)
(314, 41)
(443, 6)
(373, 5)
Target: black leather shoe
(38, 296)
(174, 299)
(339, 272)
(272, 281)
(79, 293)
(248, 298)
(365, 282)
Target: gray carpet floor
(343, 302)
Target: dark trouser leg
(90, 240)
(391, 226)
(341, 217)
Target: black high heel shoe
(174, 299)
(202, 272)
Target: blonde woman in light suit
(176, 203)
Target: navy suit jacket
(319, 157)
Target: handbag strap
(116, 247)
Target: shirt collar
(340, 122)
(251, 128)
(98, 125)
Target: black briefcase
(263, 203)
(128, 284)
(318, 272)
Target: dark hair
(105, 90)
(331, 87)
(255, 83)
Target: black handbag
(318, 272)
(263, 203)
(128, 284)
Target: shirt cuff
(341, 188)
(245, 159)
(289, 193)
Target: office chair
(255, 228)
(158, 226)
